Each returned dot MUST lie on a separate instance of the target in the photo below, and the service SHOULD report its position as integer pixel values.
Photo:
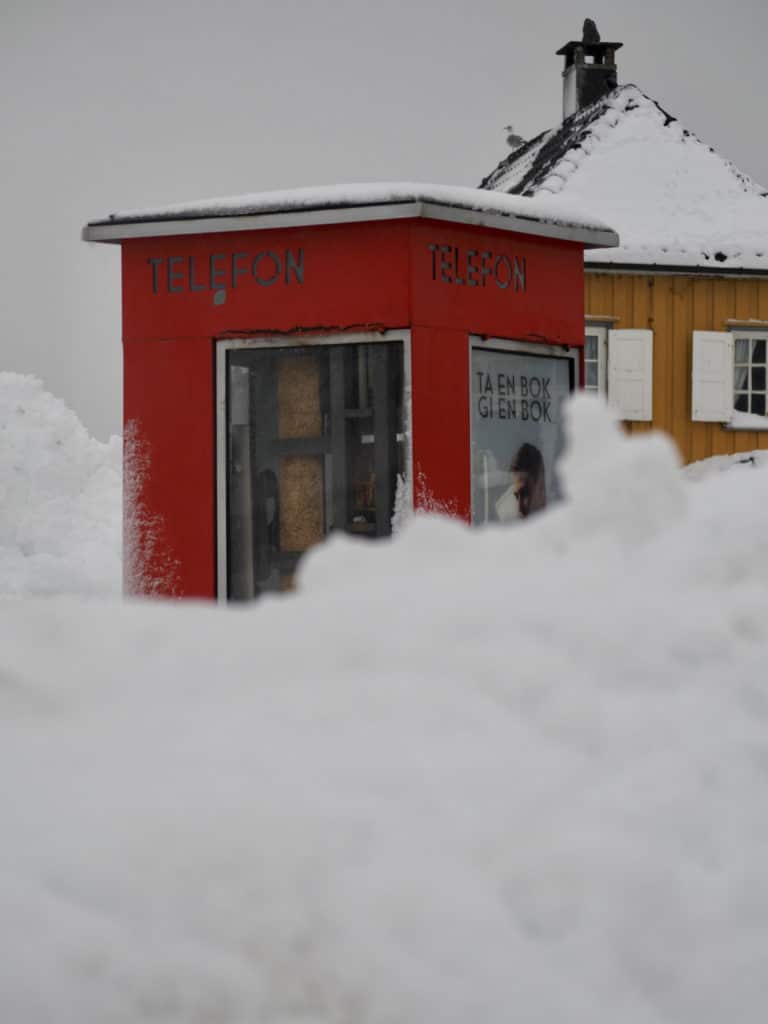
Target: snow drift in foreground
(59, 497)
(463, 776)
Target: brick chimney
(590, 69)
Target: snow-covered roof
(554, 216)
(671, 197)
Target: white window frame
(609, 336)
(749, 334)
(600, 331)
(714, 390)
(225, 345)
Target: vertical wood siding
(674, 306)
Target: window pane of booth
(315, 444)
(517, 432)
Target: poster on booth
(517, 432)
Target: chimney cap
(590, 49)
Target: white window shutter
(712, 376)
(630, 373)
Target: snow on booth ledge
(554, 216)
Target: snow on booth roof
(671, 197)
(555, 216)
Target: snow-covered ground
(720, 463)
(60, 503)
(517, 774)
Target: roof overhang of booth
(549, 217)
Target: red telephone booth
(312, 360)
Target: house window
(749, 372)
(619, 365)
(729, 378)
(596, 359)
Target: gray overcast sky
(112, 105)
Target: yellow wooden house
(676, 317)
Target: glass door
(314, 444)
(517, 395)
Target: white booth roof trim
(550, 216)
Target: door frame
(223, 346)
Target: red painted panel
(441, 455)
(327, 277)
(496, 283)
(443, 280)
(170, 441)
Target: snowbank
(706, 468)
(462, 776)
(59, 497)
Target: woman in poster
(528, 491)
